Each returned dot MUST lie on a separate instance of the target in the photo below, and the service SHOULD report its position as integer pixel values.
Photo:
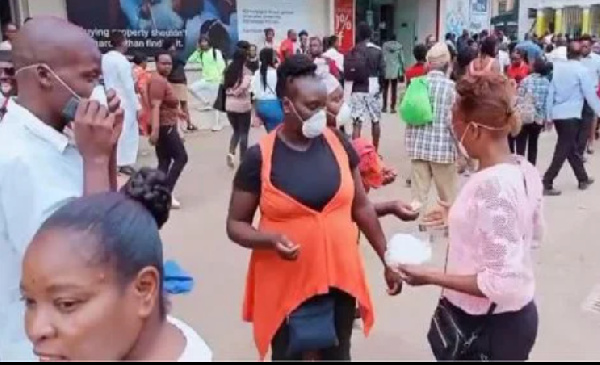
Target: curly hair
(294, 67)
(488, 100)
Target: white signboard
(473, 15)
(254, 16)
(479, 18)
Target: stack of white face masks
(406, 249)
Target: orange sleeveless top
(329, 255)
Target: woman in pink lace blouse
(493, 226)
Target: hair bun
(149, 187)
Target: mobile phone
(70, 109)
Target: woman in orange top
(142, 78)
(304, 179)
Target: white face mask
(314, 126)
(461, 147)
(344, 116)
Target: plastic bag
(416, 108)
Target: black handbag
(449, 341)
(312, 326)
(221, 99)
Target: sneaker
(590, 150)
(217, 128)
(175, 204)
(586, 184)
(384, 110)
(393, 111)
(231, 160)
(552, 192)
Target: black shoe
(384, 110)
(586, 184)
(126, 170)
(552, 192)
(393, 111)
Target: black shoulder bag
(449, 341)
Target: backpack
(525, 106)
(356, 66)
(416, 109)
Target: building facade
(410, 20)
(572, 17)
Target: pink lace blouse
(495, 222)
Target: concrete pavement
(567, 263)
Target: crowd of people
(86, 257)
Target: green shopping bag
(415, 108)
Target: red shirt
(416, 70)
(517, 73)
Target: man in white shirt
(591, 61)
(58, 65)
(560, 52)
(333, 52)
(118, 75)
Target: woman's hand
(394, 282)
(438, 216)
(286, 249)
(404, 211)
(415, 275)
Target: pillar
(585, 23)
(540, 23)
(558, 21)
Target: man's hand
(96, 130)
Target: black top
(375, 64)
(177, 75)
(311, 177)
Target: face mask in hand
(314, 126)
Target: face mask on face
(313, 126)
(344, 116)
(461, 147)
(72, 104)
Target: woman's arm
(365, 216)
(242, 208)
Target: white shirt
(40, 170)
(118, 75)
(503, 60)
(592, 63)
(336, 56)
(558, 54)
(6, 46)
(196, 350)
(259, 90)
